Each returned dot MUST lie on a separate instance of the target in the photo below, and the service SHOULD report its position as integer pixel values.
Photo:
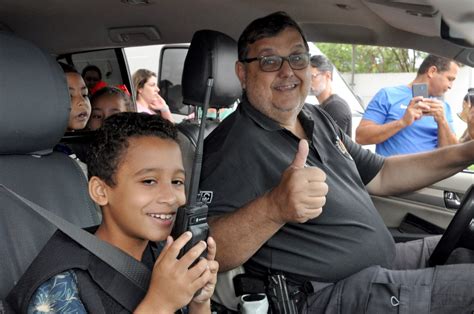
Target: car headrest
(211, 54)
(34, 102)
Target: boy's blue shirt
(60, 294)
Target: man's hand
(415, 110)
(436, 109)
(301, 193)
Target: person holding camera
(400, 122)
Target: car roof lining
(84, 26)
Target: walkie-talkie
(193, 216)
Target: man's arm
(405, 173)
(241, 233)
(445, 135)
(298, 197)
(369, 132)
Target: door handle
(451, 200)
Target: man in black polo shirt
(321, 86)
(289, 191)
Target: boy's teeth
(161, 216)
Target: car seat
(211, 54)
(34, 111)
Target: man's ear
(431, 71)
(329, 75)
(98, 191)
(241, 73)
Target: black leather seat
(211, 54)
(34, 111)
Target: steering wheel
(460, 232)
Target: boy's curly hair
(112, 140)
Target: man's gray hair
(322, 63)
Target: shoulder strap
(58, 255)
(133, 270)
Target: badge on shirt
(342, 148)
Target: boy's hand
(173, 284)
(211, 273)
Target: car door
(426, 211)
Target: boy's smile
(149, 188)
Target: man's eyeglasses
(274, 63)
(316, 75)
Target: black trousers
(409, 287)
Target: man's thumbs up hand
(301, 155)
(301, 193)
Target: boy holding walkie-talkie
(137, 178)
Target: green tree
(372, 59)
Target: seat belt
(138, 274)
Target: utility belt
(284, 294)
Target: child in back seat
(137, 178)
(106, 102)
(80, 104)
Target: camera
(420, 89)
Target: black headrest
(34, 103)
(211, 54)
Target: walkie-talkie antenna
(197, 164)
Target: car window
(106, 60)
(367, 69)
(169, 76)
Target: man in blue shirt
(401, 124)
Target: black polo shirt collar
(262, 120)
(304, 117)
(269, 124)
